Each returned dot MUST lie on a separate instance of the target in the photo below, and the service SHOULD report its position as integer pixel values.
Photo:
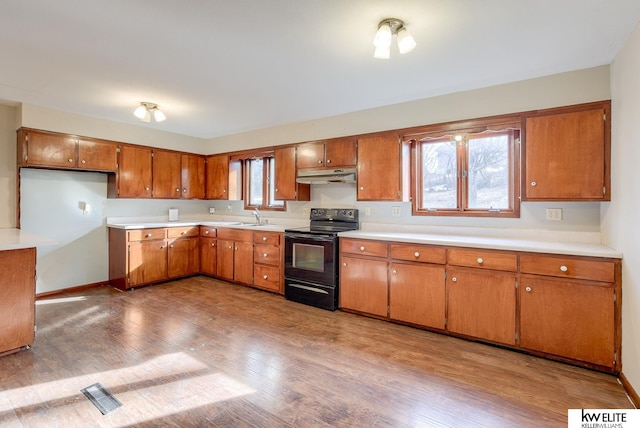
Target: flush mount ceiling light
(382, 41)
(145, 110)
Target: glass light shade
(382, 52)
(383, 36)
(141, 112)
(158, 115)
(406, 42)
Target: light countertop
(497, 243)
(15, 239)
(231, 224)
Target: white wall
(7, 166)
(620, 217)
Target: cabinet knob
(534, 184)
(480, 261)
(264, 255)
(320, 162)
(171, 246)
(206, 232)
(361, 187)
(264, 238)
(563, 268)
(362, 248)
(184, 190)
(184, 232)
(528, 289)
(416, 254)
(177, 189)
(149, 235)
(231, 247)
(395, 272)
(265, 277)
(146, 188)
(328, 160)
(236, 248)
(276, 190)
(70, 160)
(213, 244)
(344, 264)
(224, 190)
(162, 247)
(83, 161)
(454, 279)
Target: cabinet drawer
(266, 254)
(235, 234)
(271, 238)
(208, 231)
(182, 232)
(568, 267)
(146, 234)
(483, 259)
(418, 253)
(266, 277)
(364, 247)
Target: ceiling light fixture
(145, 110)
(382, 41)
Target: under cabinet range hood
(326, 176)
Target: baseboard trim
(633, 395)
(71, 290)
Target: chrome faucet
(256, 213)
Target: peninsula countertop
(15, 239)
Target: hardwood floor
(202, 352)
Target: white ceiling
(219, 67)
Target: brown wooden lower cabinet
(482, 304)
(17, 298)
(574, 319)
(557, 306)
(363, 285)
(235, 255)
(208, 255)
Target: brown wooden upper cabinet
(53, 150)
(134, 178)
(193, 176)
(333, 153)
(166, 175)
(567, 154)
(285, 186)
(383, 170)
(223, 178)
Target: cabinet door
(225, 259)
(363, 285)
(193, 177)
(97, 155)
(377, 154)
(147, 262)
(17, 298)
(217, 174)
(184, 257)
(310, 155)
(166, 174)
(565, 156)
(134, 172)
(285, 186)
(243, 262)
(572, 319)
(417, 294)
(482, 304)
(44, 149)
(340, 153)
(208, 255)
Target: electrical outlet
(554, 214)
(395, 211)
(212, 210)
(306, 210)
(229, 207)
(367, 210)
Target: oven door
(310, 258)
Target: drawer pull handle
(480, 261)
(416, 254)
(563, 268)
(362, 248)
(454, 279)
(528, 289)
(534, 184)
(265, 277)
(264, 238)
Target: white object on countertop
(173, 214)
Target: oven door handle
(306, 287)
(309, 237)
